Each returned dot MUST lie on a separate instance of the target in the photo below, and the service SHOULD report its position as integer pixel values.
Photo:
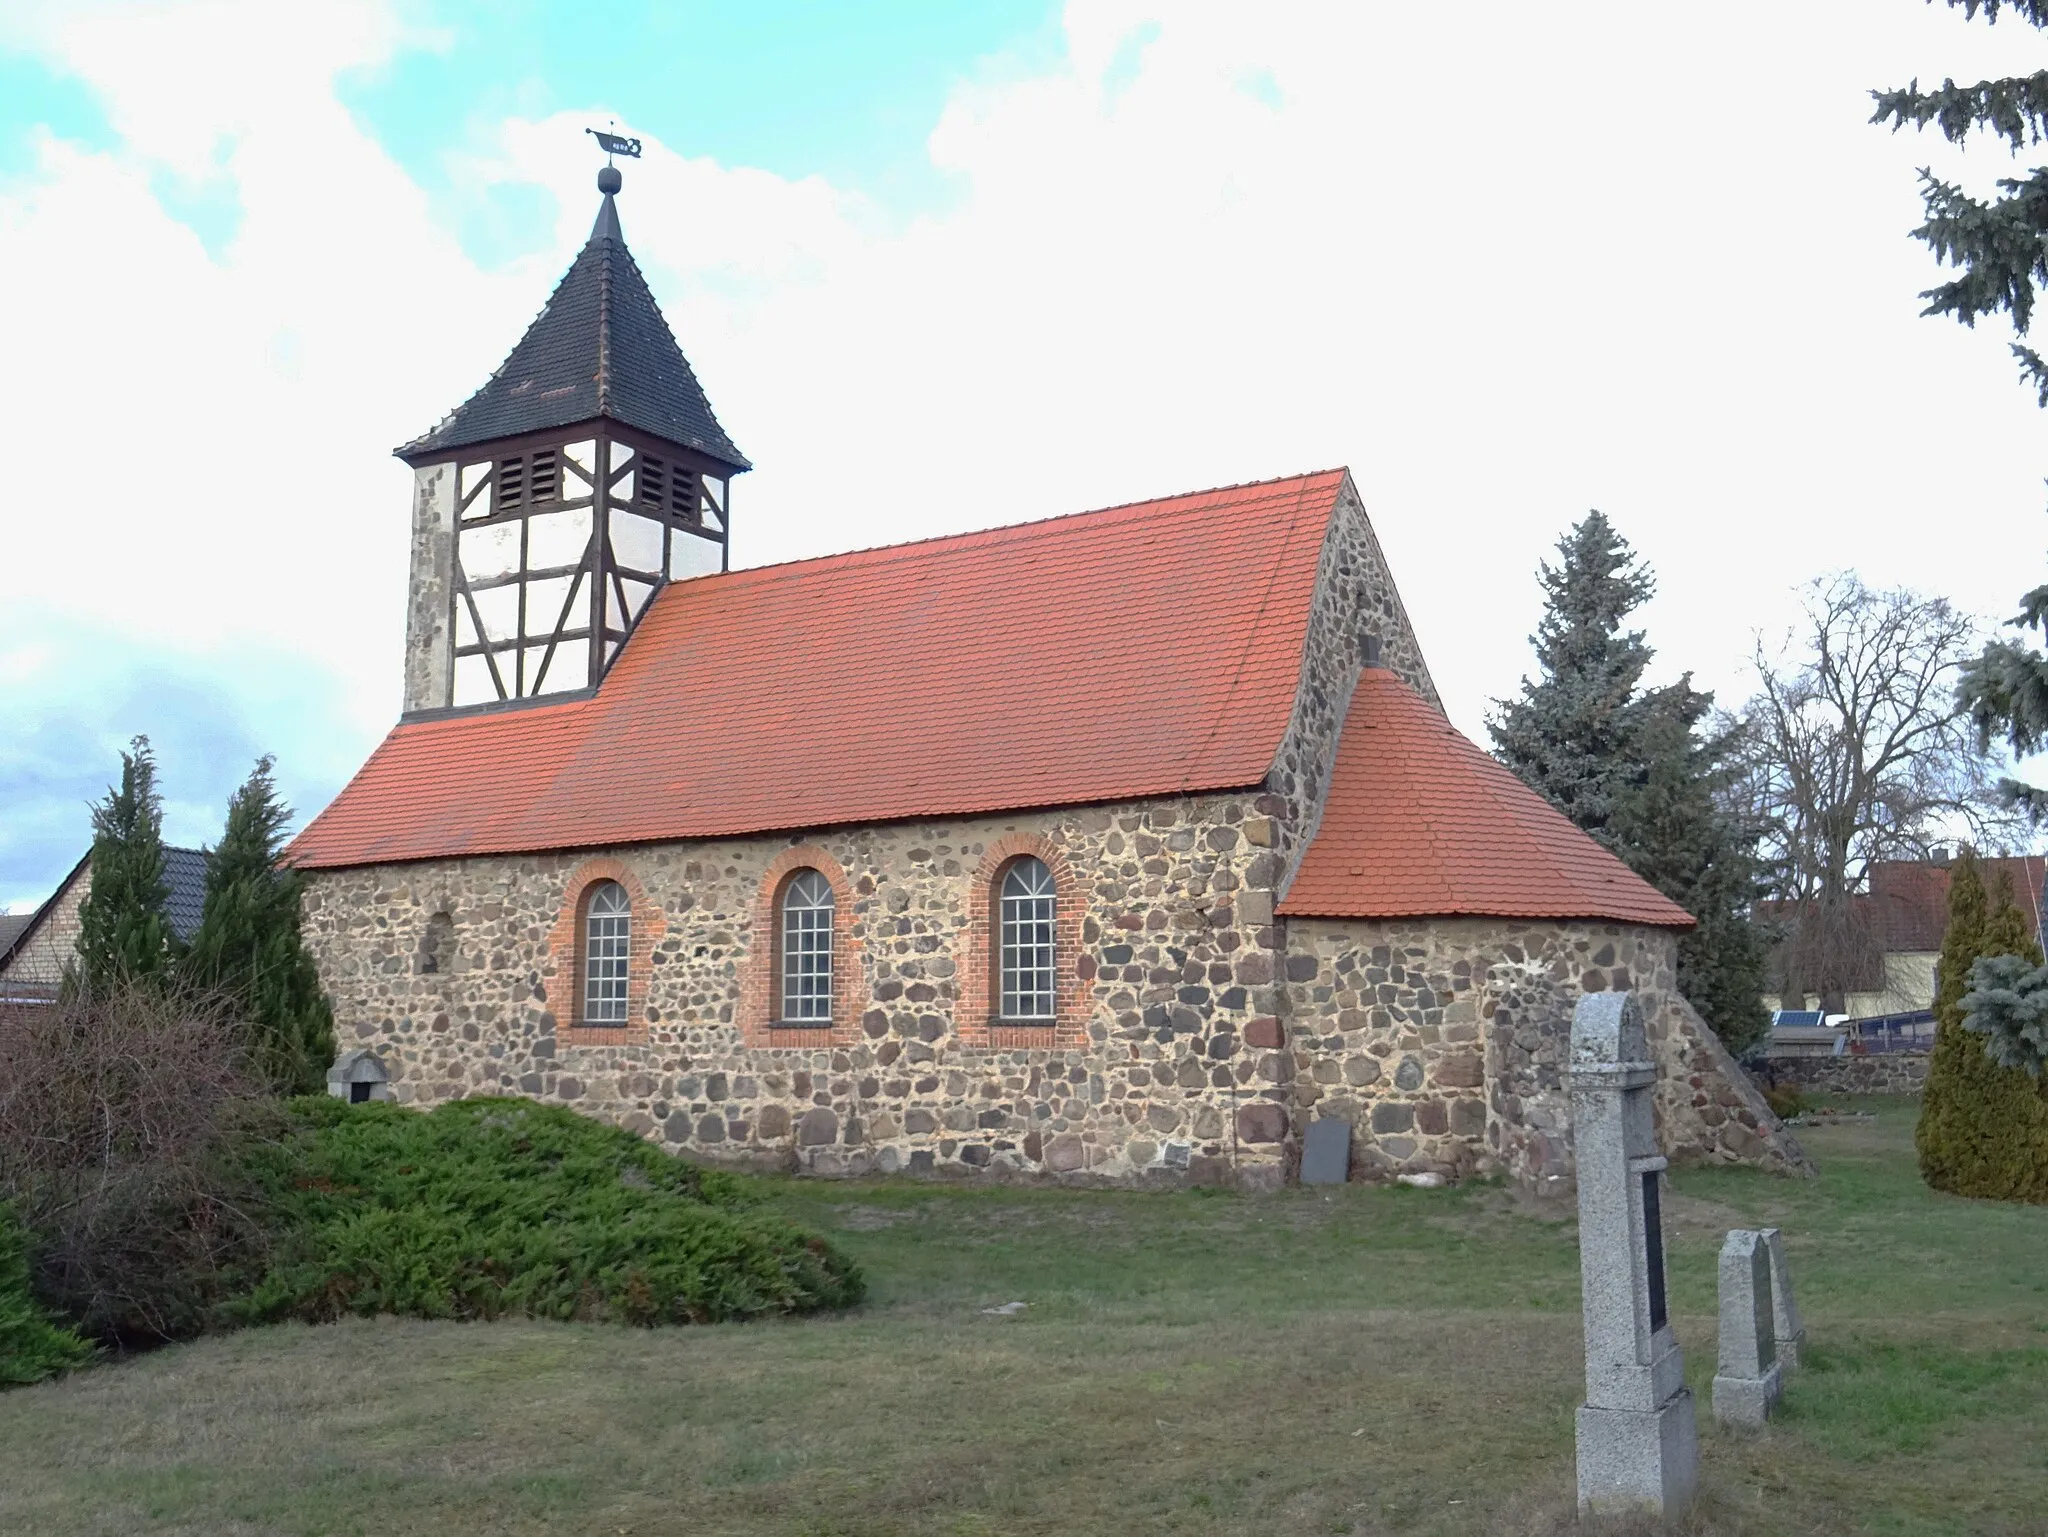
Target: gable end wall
(1354, 597)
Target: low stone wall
(1891, 1072)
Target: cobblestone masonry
(1443, 1042)
(1205, 1045)
(1174, 1073)
(1355, 597)
(1890, 1072)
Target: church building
(1116, 846)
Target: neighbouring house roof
(599, 348)
(185, 876)
(184, 880)
(1910, 897)
(1908, 900)
(1151, 649)
(1419, 822)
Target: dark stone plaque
(1326, 1153)
(1653, 1249)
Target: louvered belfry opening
(560, 547)
(589, 472)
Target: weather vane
(609, 180)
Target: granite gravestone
(1326, 1152)
(1747, 1383)
(1788, 1329)
(1638, 1441)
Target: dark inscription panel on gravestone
(1653, 1248)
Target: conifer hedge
(1983, 1127)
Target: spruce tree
(124, 930)
(1633, 769)
(249, 947)
(1983, 1127)
(1673, 826)
(2000, 248)
(1570, 737)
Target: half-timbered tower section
(551, 506)
(1119, 845)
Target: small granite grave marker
(1788, 1330)
(1747, 1383)
(1326, 1152)
(1638, 1441)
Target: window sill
(809, 1032)
(605, 1035)
(1018, 1032)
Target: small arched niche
(359, 1077)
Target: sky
(947, 265)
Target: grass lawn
(1360, 1360)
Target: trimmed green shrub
(1983, 1127)
(31, 1347)
(485, 1208)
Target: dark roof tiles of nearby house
(1421, 823)
(184, 882)
(185, 877)
(1151, 649)
(598, 348)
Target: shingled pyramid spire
(599, 349)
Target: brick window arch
(601, 883)
(983, 1019)
(767, 1014)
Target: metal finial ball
(609, 180)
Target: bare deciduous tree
(1855, 750)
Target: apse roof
(599, 348)
(1418, 822)
(1143, 650)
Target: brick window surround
(761, 973)
(565, 956)
(979, 1022)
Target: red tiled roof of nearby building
(1144, 650)
(1911, 897)
(1421, 823)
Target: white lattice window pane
(807, 912)
(607, 945)
(1026, 925)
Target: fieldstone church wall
(1170, 1067)
(1444, 1042)
(1200, 1040)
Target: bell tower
(551, 506)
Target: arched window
(807, 911)
(1026, 919)
(607, 940)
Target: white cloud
(1506, 261)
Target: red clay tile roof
(1911, 897)
(1143, 650)
(1420, 823)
